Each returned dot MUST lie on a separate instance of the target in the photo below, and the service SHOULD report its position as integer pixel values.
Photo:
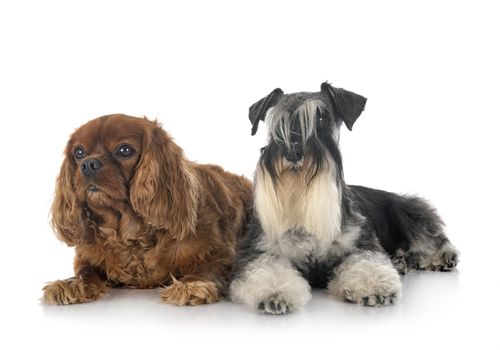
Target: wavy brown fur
(148, 220)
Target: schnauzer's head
(304, 127)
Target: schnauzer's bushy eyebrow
(280, 120)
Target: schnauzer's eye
(320, 119)
(125, 151)
(79, 153)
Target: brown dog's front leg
(87, 285)
(203, 286)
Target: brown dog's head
(117, 168)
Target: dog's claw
(275, 304)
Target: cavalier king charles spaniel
(141, 215)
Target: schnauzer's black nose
(295, 153)
(294, 157)
(90, 167)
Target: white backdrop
(431, 75)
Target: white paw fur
(366, 278)
(271, 285)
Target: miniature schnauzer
(309, 228)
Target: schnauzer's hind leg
(428, 247)
(366, 278)
(399, 262)
(428, 258)
(271, 285)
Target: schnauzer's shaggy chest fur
(310, 228)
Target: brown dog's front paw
(70, 291)
(190, 293)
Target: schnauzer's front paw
(276, 304)
(190, 293)
(366, 278)
(71, 291)
(379, 299)
(372, 292)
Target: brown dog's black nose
(90, 167)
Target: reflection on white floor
(424, 294)
(437, 310)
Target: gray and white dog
(308, 228)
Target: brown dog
(143, 216)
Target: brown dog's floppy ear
(66, 213)
(259, 109)
(162, 190)
(346, 104)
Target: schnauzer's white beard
(291, 203)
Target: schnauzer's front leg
(366, 278)
(272, 285)
(87, 285)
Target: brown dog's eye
(125, 151)
(79, 153)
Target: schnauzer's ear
(258, 109)
(347, 105)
